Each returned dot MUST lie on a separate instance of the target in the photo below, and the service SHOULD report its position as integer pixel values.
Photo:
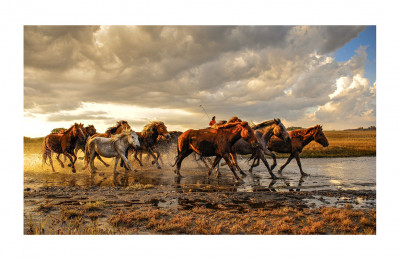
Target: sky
(305, 75)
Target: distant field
(341, 144)
(344, 144)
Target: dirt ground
(155, 202)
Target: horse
(114, 146)
(148, 140)
(113, 130)
(90, 130)
(300, 138)
(214, 142)
(63, 143)
(263, 131)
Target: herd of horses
(224, 140)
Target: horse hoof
(134, 170)
(243, 174)
(158, 167)
(305, 174)
(107, 165)
(73, 170)
(239, 180)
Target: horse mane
(230, 125)
(113, 129)
(303, 132)
(234, 119)
(263, 124)
(148, 128)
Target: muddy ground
(154, 201)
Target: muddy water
(342, 176)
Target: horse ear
(276, 122)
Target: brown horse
(214, 142)
(113, 130)
(148, 140)
(90, 130)
(300, 138)
(263, 131)
(63, 143)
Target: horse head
(90, 130)
(280, 131)
(320, 137)
(161, 129)
(247, 133)
(133, 138)
(79, 132)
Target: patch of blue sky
(365, 38)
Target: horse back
(53, 142)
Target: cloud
(258, 72)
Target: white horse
(115, 146)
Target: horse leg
(71, 160)
(216, 162)
(181, 156)
(48, 153)
(75, 158)
(270, 153)
(155, 158)
(255, 163)
(286, 163)
(92, 156)
(228, 161)
(127, 163)
(297, 156)
(101, 160)
(261, 155)
(235, 163)
(58, 159)
(115, 165)
(140, 161)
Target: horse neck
(268, 133)
(307, 138)
(69, 136)
(231, 136)
(150, 138)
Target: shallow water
(324, 174)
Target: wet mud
(147, 202)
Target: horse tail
(87, 154)
(44, 152)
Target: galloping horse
(214, 142)
(148, 140)
(90, 130)
(300, 138)
(263, 131)
(115, 146)
(63, 143)
(113, 130)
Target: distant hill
(33, 140)
(362, 129)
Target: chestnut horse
(113, 130)
(300, 138)
(214, 142)
(63, 143)
(148, 140)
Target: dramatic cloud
(256, 72)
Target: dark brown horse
(90, 130)
(113, 130)
(214, 142)
(148, 140)
(300, 138)
(63, 143)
